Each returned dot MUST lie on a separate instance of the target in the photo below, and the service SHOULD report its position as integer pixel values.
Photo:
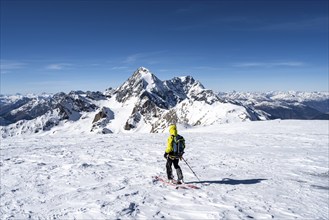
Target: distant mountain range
(285, 105)
(144, 103)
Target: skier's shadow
(229, 181)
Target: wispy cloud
(143, 57)
(269, 64)
(6, 66)
(58, 66)
(132, 58)
(319, 23)
(119, 68)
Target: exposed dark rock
(101, 119)
(133, 121)
(99, 116)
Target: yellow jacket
(173, 132)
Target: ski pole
(191, 169)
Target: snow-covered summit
(146, 75)
(141, 81)
(166, 94)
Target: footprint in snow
(132, 210)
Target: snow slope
(261, 170)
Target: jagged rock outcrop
(101, 120)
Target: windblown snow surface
(253, 170)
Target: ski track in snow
(254, 170)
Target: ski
(174, 183)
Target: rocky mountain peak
(140, 82)
(185, 86)
(164, 94)
(149, 80)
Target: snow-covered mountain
(143, 103)
(285, 105)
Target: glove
(165, 155)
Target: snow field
(261, 170)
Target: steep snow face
(191, 113)
(151, 81)
(252, 170)
(200, 113)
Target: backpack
(178, 146)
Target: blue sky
(53, 46)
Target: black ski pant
(177, 167)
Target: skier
(171, 156)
